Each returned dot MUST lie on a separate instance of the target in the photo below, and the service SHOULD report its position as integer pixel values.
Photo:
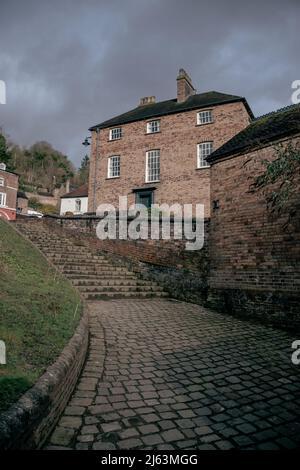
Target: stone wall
(28, 423)
(255, 255)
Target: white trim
(202, 158)
(147, 180)
(8, 208)
(149, 128)
(3, 200)
(111, 133)
(109, 168)
(10, 187)
(205, 112)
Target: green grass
(37, 314)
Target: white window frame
(153, 126)
(204, 149)
(152, 176)
(204, 117)
(1, 181)
(2, 199)
(111, 166)
(115, 133)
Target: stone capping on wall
(28, 423)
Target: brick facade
(180, 180)
(254, 256)
(8, 187)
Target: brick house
(255, 254)
(9, 183)
(156, 153)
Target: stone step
(103, 275)
(76, 257)
(93, 274)
(133, 295)
(70, 262)
(103, 289)
(111, 282)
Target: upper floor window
(115, 134)
(152, 166)
(204, 149)
(2, 199)
(113, 167)
(1, 181)
(153, 127)
(204, 117)
(78, 205)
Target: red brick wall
(180, 180)
(254, 256)
(10, 188)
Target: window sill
(203, 168)
(114, 140)
(112, 177)
(153, 181)
(151, 133)
(205, 124)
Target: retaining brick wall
(254, 256)
(181, 272)
(28, 423)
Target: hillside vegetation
(39, 312)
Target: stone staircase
(94, 275)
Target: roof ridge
(280, 110)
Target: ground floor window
(2, 199)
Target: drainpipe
(96, 168)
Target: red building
(9, 183)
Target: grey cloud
(70, 64)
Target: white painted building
(75, 202)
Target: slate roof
(82, 191)
(202, 100)
(262, 130)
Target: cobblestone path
(162, 374)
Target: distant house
(9, 183)
(75, 202)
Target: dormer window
(204, 117)
(153, 127)
(115, 134)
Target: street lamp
(86, 142)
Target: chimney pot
(147, 100)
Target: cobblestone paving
(165, 375)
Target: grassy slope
(36, 314)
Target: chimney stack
(147, 100)
(185, 87)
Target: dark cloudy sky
(71, 64)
